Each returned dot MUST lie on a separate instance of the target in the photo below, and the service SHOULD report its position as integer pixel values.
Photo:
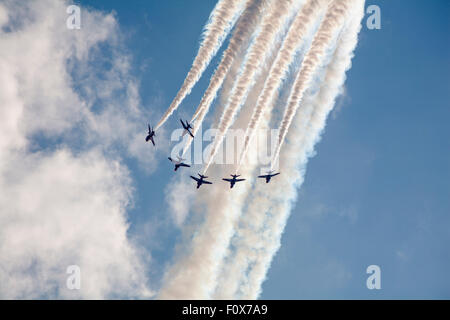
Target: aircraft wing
(184, 165)
(196, 179)
(190, 133)
(273, 175)
(153, 141)
(263, 176)
(207, 182)
(237, 180)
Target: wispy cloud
(66, 204)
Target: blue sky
(378, 190)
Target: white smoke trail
(258, 52)
(243, 31)
(236, 263)
(261, 229)
(220, 23)
(334, 17)
(194, 275)
(295, 37)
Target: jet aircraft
(178, 163)
(269, 176)
(201, 180)
(234, 180)
(151, 134)
(187, 126)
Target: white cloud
(58, 210)
(66, 203)
(179, 196)
(3, 16)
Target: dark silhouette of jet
(178, 163)
(201, 180)
(269, 176)
(187, 126)
(234, 180)
(151, 134)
